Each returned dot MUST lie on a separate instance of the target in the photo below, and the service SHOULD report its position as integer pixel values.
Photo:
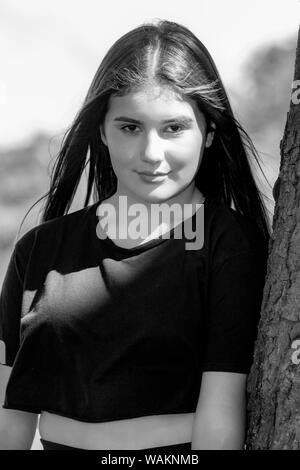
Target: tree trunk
(273, 386)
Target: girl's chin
(156, 196)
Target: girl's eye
(176, 128)
(130, 127)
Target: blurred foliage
(267, 78)
(260, 102)
(24, 177)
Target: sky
(51, 49)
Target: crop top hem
(30, 409)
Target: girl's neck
(191, 196)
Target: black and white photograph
(149, 227)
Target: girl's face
(152, 131)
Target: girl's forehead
(154, 91)
(148, 93)
(151, 98)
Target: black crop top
(97, 332)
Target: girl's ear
(210, 135)
(102, 133)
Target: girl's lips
(152, 178)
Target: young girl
(139, 341)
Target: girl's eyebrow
(183, 119)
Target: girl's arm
(17, 428)
(220, 417)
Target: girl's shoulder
(231, 233)
(49, 232)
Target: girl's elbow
(222, 434)
(219, 439)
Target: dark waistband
(48, 445)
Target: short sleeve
(235, 294)
(10, 312)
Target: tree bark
(273, 385)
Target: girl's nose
(152, 150)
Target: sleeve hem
(225, 367)
(6, 364)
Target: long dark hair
(166, 53)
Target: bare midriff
(134, 433)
